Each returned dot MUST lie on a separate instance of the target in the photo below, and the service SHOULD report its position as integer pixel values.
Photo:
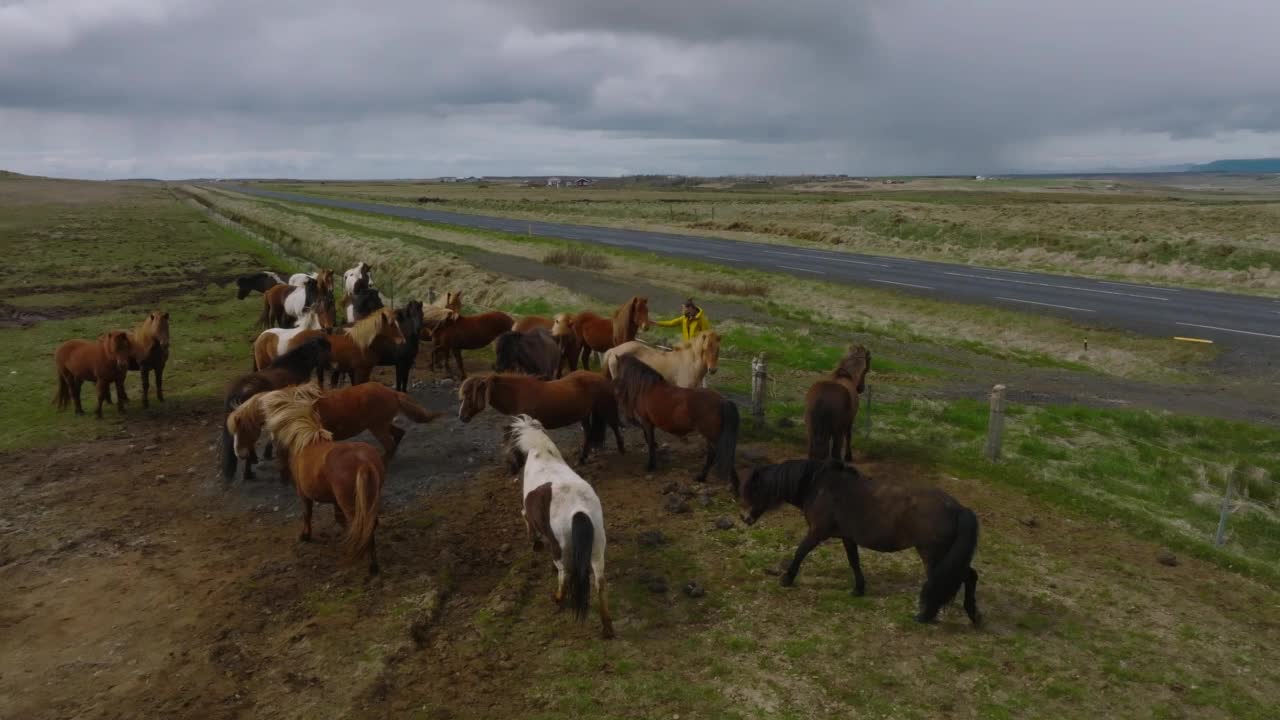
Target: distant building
(582, 182)
(553, 182)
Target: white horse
(685, 366)
(295, 303)
(561, 510)
(300, 279)
(352, 276)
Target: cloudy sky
(412, 88)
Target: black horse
(534, 352)
(293, 368)
(259, 282)
(838, 501)
(362, 301)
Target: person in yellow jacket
(691, 322)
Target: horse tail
(579, 571)
(228, 444)
(63, 396)
(727, 443)
(364, 520)
(950, 571)
(414, 411)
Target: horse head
(453, 300)
(388, 327)
(857, 363)
(324, 281)
(245, 427)
(158, 324)
(640, 312)
(562, 325)
(473, 396)
(707, 344)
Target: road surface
(1241, 321)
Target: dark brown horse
(579, 397)
(831, 406)
(534, 352)
(645, 397)
(103, 361)
(563, 329)
(598, 334)
(149, 352)
(257, 282)
(347, 475)
(467, 332)
(838, 501)
(293, 368)
(402, 356)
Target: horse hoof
(976, 619)
(924, 619)
(304, 537)
(786, 581)
(608, 633)
(859, 591)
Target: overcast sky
(413, 88)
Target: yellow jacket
(688, 328)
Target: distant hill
(1255, 165)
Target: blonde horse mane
(474, 391)
(153, 328)
(433, 316)
(451, 300)
(530, 437)
(290, 416)
(366, 330)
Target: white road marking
(1052, 285)
(718, 257)
(892, 282)
(1138, 287)
(1231, 330)
(1033, 302)
(811, 257)
(815, 272)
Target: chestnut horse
(104, 361)
(831, 406)
(282, 303)
(646, 398)
(274, 342)
(467, 332)
(884, 516)
(579, 397)
(345, 413)
(598, 334)
(534, 352)
(562, 512)
(348, 475)
(353, 351)
(686, 365)
(257, 282)
(149, 350)
(293, 368)
(563, 329)
(529, 323)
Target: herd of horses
(292, 398)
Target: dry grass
(729, 286)
(576, 256)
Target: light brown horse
(598, 334)
(564, 330)
(149, 351)
(685, 365)
(579, 397)
(831, 406)
(348, 475)
(467, 332)
(344, 413)
(529, 323)
(646, 398)
(352, 351)
(103, 361)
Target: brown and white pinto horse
(103, 361)
(831, 406)
(467, 332)
(645, 397)
(348, 475)
(149, 351)
(598, 334)
(579, 397)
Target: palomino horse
(344, 413)
(684, 366)
(149, 350)
(292, 368)
(646, 398)
(353, 351)
(562, 512)
(257, 282)
(529, 323)
(282, 303)
(274, 342)
(467, 332)
(103, 361)
(361, 272)
(534, 352)
(348, 475)
(838, 501)
(599, 334)
(579, 397)
(402, 355)
(563, 330)
(831, 406)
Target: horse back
(349, 411)
(326, 472)
(529, 323)
(85, 360)
(828, 402)
(594, 331)
(887, 516)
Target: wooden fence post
(759, 378)
(1221, 535)
(995, 424)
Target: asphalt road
(1240, 321)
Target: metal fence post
(995, 424)
(759, 378)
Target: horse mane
(363, 332)
(475, 390)
(530, 437)
(290, 415)
(786, 482)
(452, 300)
(110, 339)
(634, 379)
(324, 280)
(436, 315)
(248, 412)
(624, 321)
(153, 328)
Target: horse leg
(653, 445)
(586, 442)
(398, 434)
(386, 440)
(76, 384)
(159, 383)
(606, 622)
(558, 597)
(123, 398)
(339, 517)
(706, 466)
(617, 434)
(457, 355)
(104, 393)
(248, 464)
(928, 610)
(848, 442)
(268, 451)
(146, 386)
(859, 582)
(811, 540)
(971, 598)
(586, 357)
(305, 535)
